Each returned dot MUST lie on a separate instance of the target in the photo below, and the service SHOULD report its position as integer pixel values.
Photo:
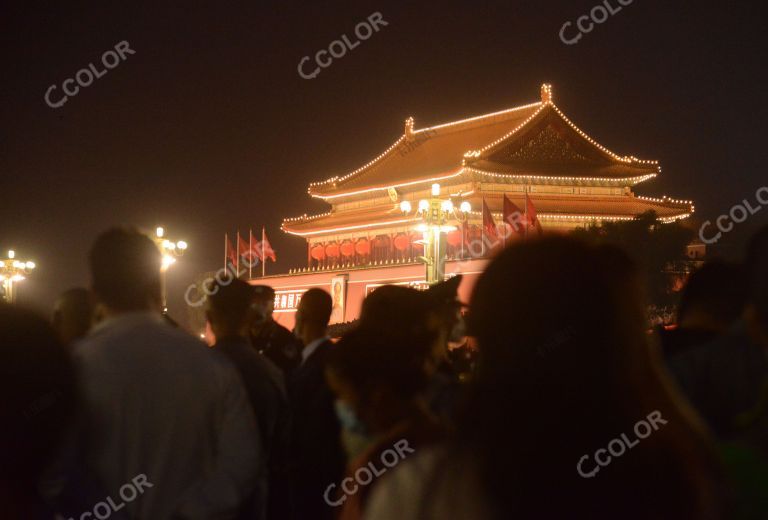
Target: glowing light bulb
(160, 232)
(424, 205)
(465, 207)
(446, 206)
(436, 190)
(11, 254)
(405, 206)
(181, 245)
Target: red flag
(255, 247)
(242, 246)
(267, 251)
(530, 209)
(488, 224)
(229, 251)
(513, 216)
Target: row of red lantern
(363, 246)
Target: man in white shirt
(158, 403)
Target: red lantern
(347, 248)
(332, 250)
(363, 247)
(454, 237)
(318, 252)
(401, 242)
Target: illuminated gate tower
(374, 232)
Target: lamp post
(439, 215)
(170, 251)
(13, 271)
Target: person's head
(405, 313)
(446, 307)
(37, 384)
(756, 265)
(230, 308)
(376, 376)
(313, 315)
(713, 297)
(125, 271)
(563, 369)
(264, 302)
(73, 314)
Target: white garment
(430, 485)
(159, 403)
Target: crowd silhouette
(547, 395)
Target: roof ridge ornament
(409, 128)
(546, 93)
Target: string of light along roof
(444, 125)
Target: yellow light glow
(168, 261)
(405, 206)
(30, 265)
(423, 205)
(436, 189)
(160, 232)
(446, 206)
(465, 207)
(11, 254)
(181, 245)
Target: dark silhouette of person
(230, 311)
(725, 378)
(270, 338)
(712, 300)
(38, 401)
(73, 315)
(543, 435)
(379, 382)
(317, 458)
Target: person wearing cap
(270, 338)
(230, 311)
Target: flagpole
(263, 258)
(250, 253)
(225, 251)
(526, 211)
(237, 259)
(482, 228)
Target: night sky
(208, 127)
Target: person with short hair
(315, 448)
(724, 378)
(158, 402)
(712, 300)
(270, 338)
(230, 311)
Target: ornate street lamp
(170, 251)
(13, 271)
(439, 216)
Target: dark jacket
(279, 345)
(317, 457)
(266, 390)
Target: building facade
(421, 201)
